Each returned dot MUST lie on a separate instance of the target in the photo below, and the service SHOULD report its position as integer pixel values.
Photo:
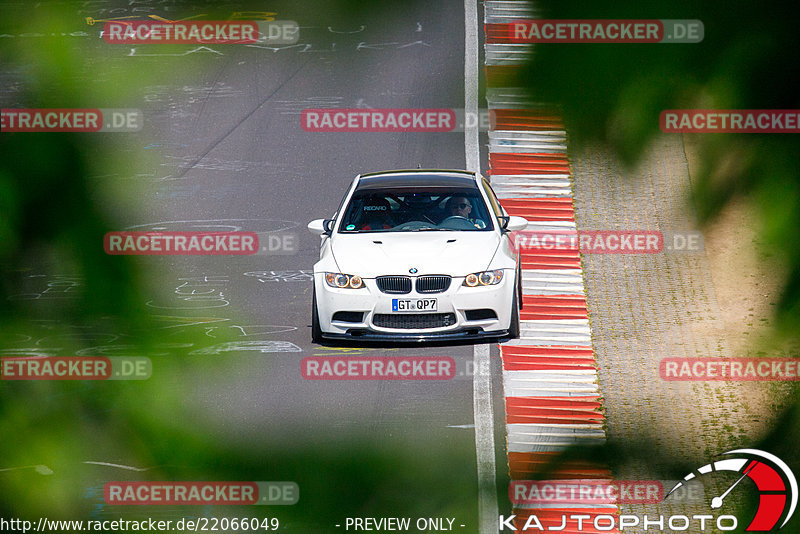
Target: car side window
(496, 208)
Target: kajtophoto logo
(777, 499)
(775, 482)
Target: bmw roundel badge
(413, 270)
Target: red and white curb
(552, 397)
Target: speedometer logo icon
(776, 484)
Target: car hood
(376, 254)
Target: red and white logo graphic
(776, 484)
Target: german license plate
(414, 305)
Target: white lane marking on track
(198, 49)
(484, 440)
(120, 466)
(471, 146)
(482, 377)
(263, 347)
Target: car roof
(417, 177)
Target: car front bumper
(458, 300)
(368, 335)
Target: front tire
(513, 327)
(316, 331)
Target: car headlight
(342, 281)
(484, 278)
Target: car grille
(432, 284)
(394, 284)
(414, 320)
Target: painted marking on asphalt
(471, 146)
(251, 346)
(484, 439)
(482, 377)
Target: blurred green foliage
(614, 94)
(55, 206)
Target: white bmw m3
(417, 255)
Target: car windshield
(415, 210)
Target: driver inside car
(459, 206)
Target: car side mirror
(321, 226)
(513, 223)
